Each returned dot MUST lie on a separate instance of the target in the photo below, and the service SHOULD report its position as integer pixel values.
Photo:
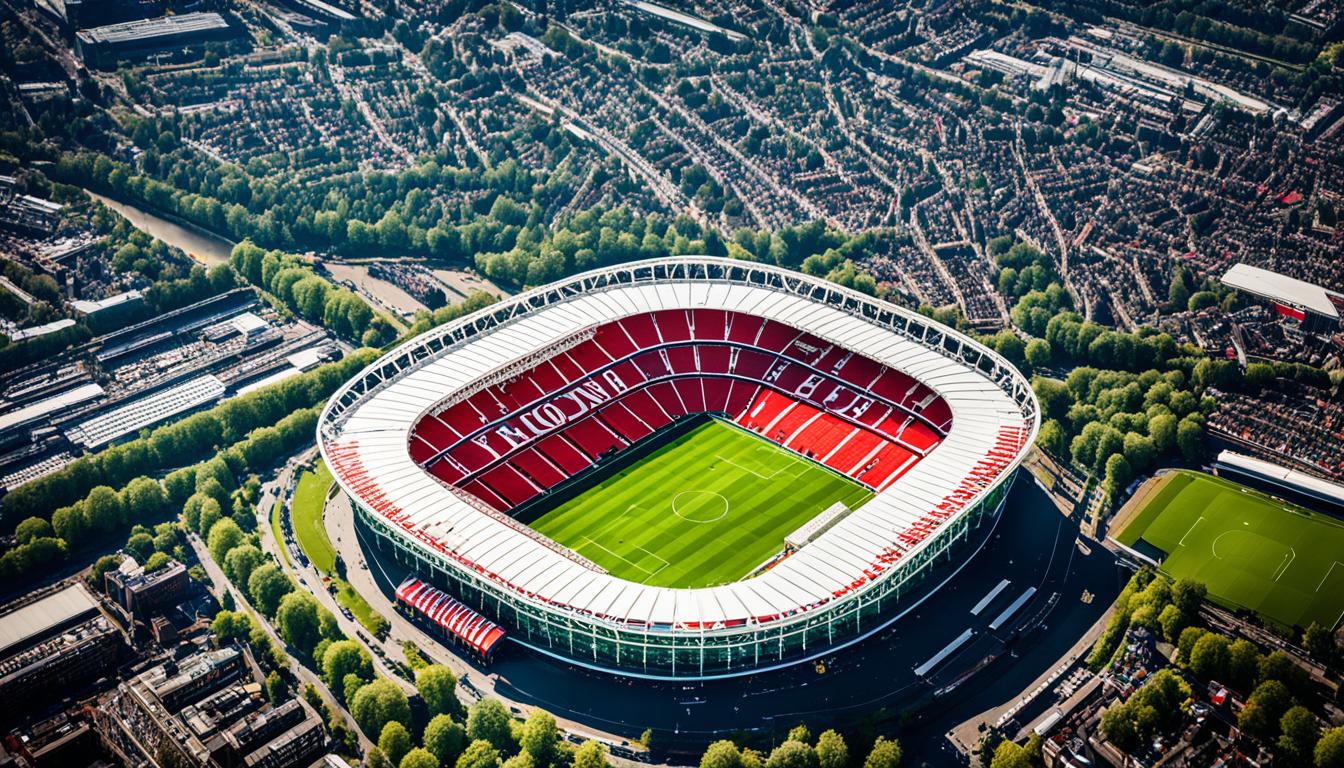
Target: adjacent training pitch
(705, 509)
(1251, 550)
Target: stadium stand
(643, 372)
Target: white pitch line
(1288, 557)
(1181, 543)
(1330, 570)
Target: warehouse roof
(23, 626)
(146, 411)
(142, 30)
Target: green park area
(306, 517)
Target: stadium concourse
(446, 441)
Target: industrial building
(51, 647)
(103, 46)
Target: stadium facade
(438, 440)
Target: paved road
(1032, 545)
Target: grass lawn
(1251, 550)
(705, 509)
(306, 517)
(310, 498)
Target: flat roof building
(104, 45)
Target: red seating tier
(778, 388)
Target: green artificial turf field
(705, 509)
(1251, 550)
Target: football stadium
(685, 468)
(1251, 550)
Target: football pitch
(1251, 550)
(704, 509)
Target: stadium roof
(144, 30)
(1284, 289)
(23, 626)
(372, 434)
(1282, 475)
(146, 411)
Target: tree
(446, 739)
(1320, 643)
(1039, 353)
(886, 753)
(241, 561)
(419, 758)
(266, 586)
(31, 528)
(479, 754)
(1190, 438)
(224, 536)
(341, 658)
(1188, 594)
(792, 754)
(489, 721)
(1243, 664)
(437, 685)
(721, 754)
(103, 510)
(1330, 749)
(591, 754)
(832, 751)
(539, 737)
(395, 741)
(1264, 709)
(231, 625)
(298, 621)
(1300, 732)
(801, 733)
(379, 703)
(140, 546)
(1211, 657)
(1011, 755)
(376, 759)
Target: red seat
(775, 336)
(624, 423)
(559, 450)
(743, 329)
(513, 487)
(710, 324)
(641, 330)
(593, 437)
(691, 394)
(535, 466)
(673, 325)
(614, 341)
(716, 393)
(479, 490)
(713, 358)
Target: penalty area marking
(631, 563)
(1327, 576)
(1188, 531)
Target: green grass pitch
(705, 509)
(1251, 550)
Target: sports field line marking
(1327, 575)
(1288, 558)
(1181, 543)
(629, 562)
(726, 460)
